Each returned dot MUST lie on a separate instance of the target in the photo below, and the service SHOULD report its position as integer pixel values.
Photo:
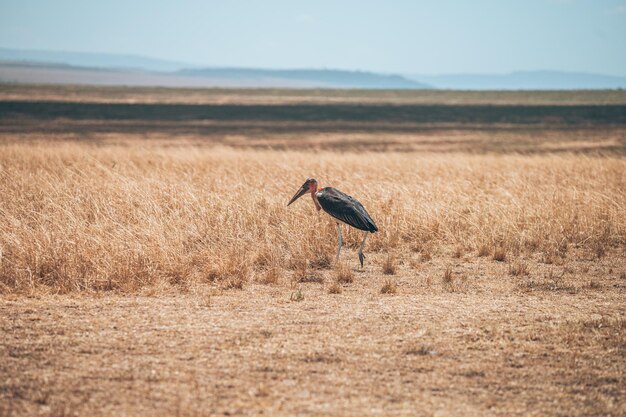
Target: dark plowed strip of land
(614, 115)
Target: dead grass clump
(518, 268)
(271, 276)
(499, 254)
(335, 288)
(593, 285)
(264, 260)
(389, 287)
(390, 266)
(233, 283)
(483, 250)
(599, 249)
(321, 260)
(452, 283)
(231, 273)
(448, 278)
(426, 256)
(311, 277)
(303, 275)
(297, 262)
(415, 263)
(420, 351)
(344, 274)
(297, 296)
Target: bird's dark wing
(345, 208)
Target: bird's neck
(314, 197)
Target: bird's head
(309, 186)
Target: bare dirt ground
(482, 342)
(150, 267)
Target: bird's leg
(361, 256)
(340, 242)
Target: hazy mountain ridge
(330, 77)
(90, 60)
(523, 80)
(53, 67)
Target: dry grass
(111, 94)
(499, 254)
(518, 268)
(448, 278)
(390, 266)
(250, 352)
(335, 288)
(389, 287)
(193, 290)
(78, 217)
(343, 274)
(483, 250)
(272, 276)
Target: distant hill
(42, 73)
(56, 67)
(88, 59)
(523, 80)
(310, 77)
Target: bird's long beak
(302, 191)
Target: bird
(342, 208)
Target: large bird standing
(342, 207)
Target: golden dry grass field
(149, 265)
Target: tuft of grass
(389, 287)
(233, 283)
(321, 260)
(593, 285)
(232, 274)
(415, 264)
(448, 278)
(499, 254)
(483, 250)
(303, 274)
(344, 274)
(297, 296)
(420, 351)
(599, 249)
(335, 288)
(271, 276)
(390, 266)
(310, 277)
(518, 268)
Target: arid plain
(149, 265)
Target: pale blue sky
(427, 36)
